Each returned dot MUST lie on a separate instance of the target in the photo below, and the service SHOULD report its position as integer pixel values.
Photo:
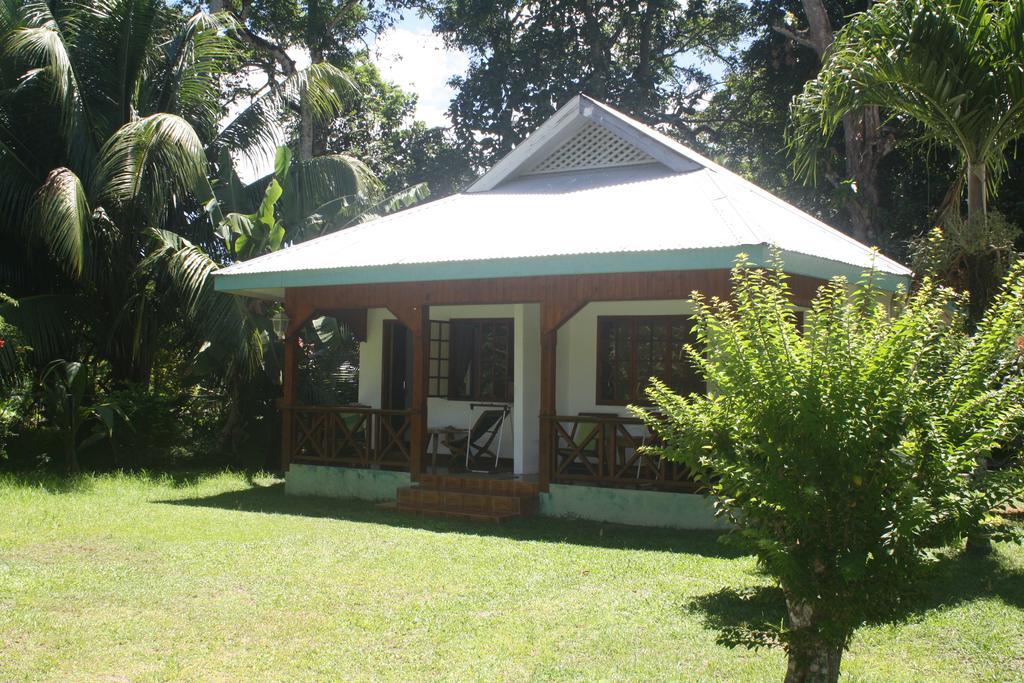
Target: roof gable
(592, 146)
(584, 135)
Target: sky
(412, 57)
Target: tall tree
(954, 68)
(111, 115)
(324, 29)
(529, 57)
(107, 113)
(865, 143)
(842, 449)
(745, 121)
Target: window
(437, 365)
(481, 360)
(631, 350)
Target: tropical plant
(105, 112)
(68, 389)
(110, 115)
(952, 66)
(301, 200)
(970, 256)
(842, 452)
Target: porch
(541, 348)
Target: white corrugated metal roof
(623, 209)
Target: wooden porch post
(298, 312)
(554, 312)
(289, 392)
(417, 319)
(420, 355)
(548, 341)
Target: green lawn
(220, 577)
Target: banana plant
(66, 386)
(299, 201)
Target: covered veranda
(549, 441)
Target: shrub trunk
(812, 659)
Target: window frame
(634, 321)
(474, 393)
(444, 355)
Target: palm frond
(222, 319)
(397, 201)
(39, 40)
(314, 183)
(63, 219)
(256, 131)
(148, 160)
(953, 67)
(45, 325)
(115, 47)
(187, 82)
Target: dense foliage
(844, 449)
(130, 132)
(530, 57)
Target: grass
(223, 577)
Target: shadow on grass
(953, 579)
(271, 499)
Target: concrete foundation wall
(626, 506)
(343, 482)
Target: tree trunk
(811, 658)
(863, 142)
(864, 152)
(305, 129)
(978, 540)
(71, 457)
(976, 192)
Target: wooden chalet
(534, 306)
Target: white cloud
(411, 56)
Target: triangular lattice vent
(592, 146)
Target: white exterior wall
(576, 352)
(440, 411)
(526, 412)
(576, 381)
(371, 357)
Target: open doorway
(396, 389)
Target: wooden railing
(350, 436)
(605, 450)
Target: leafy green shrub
(843, 453)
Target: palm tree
(104, 112)
(954, 67)
(110, 128)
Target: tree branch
(797, 36)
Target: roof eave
(273, 284)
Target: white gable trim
(565, 123)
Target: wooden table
(434, 436)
